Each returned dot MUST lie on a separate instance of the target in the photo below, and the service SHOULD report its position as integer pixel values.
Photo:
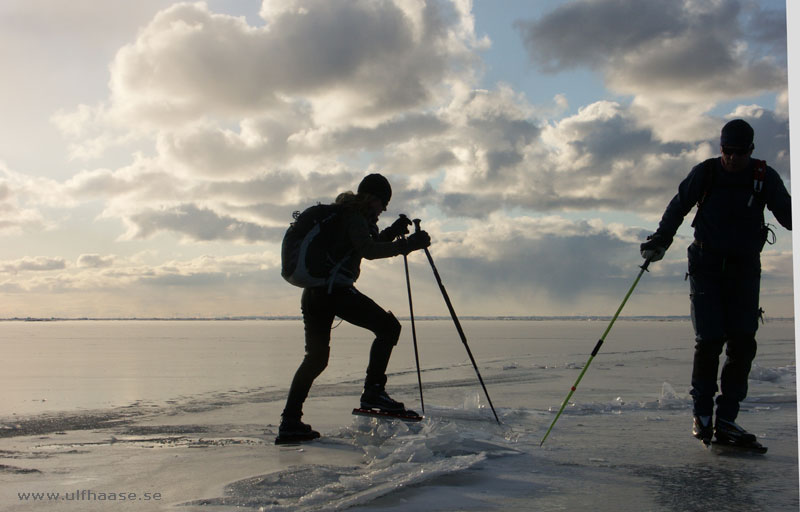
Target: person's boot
(728, 432)
(702, 428)
(375, 397)
(292, 429)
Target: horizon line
(299, 317)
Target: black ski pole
(596, 349)
(457, 323)
(413, 328)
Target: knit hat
(737, 133)
(376, 185)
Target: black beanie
(376, 185)
(737, 133)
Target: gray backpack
(306, 251)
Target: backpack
(306, 259)
(759, 174)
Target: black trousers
(725, 312)
(319, 309)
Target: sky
(152, 152)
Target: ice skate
(375, 397)
(728, 434)
(292, 430)
(702, 429)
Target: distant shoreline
(666, 318)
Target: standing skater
(724, 272)
(354, 235)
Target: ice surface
(623, 443)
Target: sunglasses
(738, 151)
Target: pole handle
(403, 216)
(417, 229)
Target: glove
(654, 248)
(417, 241)
(399, 227)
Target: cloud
(95, 261)
(149, 199)
(677, 60)
(604, 157)
(199, 224)
(527, 265)
(243, 284)
(688, 51)
(28, 264)
(606, 28)
(217, 128)
(209, 151)
(354, 60)
(599, 158)
(244, 131)
(16, 219)
(771, 135)
(22, 199)
(247, 120)
(504, 255)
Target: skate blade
(294, 440)
(375, 413)
(725, 448)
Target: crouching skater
(353, 235)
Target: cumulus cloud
(249, 120)
(348, 60)
(599, 158)
(244, 126)
(687, 50)
(677, 59)
(199, 224)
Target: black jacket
(359, 238)
(728, 220)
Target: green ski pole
(596, 349)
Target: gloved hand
(417, 241)
(400, 226)
(654, 248)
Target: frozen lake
(125, 405)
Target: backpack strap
(759, 174)
(708, 184)
(708, 181)
(335, 271)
